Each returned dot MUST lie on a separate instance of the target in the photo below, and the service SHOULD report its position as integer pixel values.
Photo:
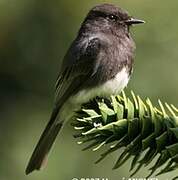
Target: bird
(99, 62)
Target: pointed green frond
(143, 130)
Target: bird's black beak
(134, 21)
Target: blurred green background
(34, 36)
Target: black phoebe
(98, 63)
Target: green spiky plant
(142, 129)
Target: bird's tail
(39, 156)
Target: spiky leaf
(143, 130)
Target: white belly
(111, 87)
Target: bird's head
(107, 17)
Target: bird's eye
(112, 17)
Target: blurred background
(34, 36)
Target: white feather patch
(111, 87)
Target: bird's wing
(74, 73)
(77, 69)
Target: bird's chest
(110, 87)
(116, 84)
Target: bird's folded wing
(77, 71)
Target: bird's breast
(110, 87)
